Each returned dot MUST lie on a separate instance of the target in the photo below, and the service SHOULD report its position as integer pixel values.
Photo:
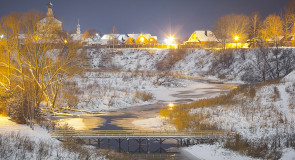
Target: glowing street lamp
(170, 40)
(1, 36)
(65, 41)
(171, 106)
(236, 39)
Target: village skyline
(161, 19)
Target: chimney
(206, 32)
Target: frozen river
(147, 118)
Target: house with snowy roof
(113, 39)
(278, 40)
(141, 39)
(201, 37)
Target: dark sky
(157, 17)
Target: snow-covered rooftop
(275, 39)
(135, 36)
(77, 37)
(202, 36)
(49, 20)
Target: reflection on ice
(157, 123)
(85, 123)
(145, 124)
(193, 92)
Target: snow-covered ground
(136, 72)
(217, 152)
(126, 59)
(235, 65)
(21, 142)
(288, 154)
(104, 91)
(272, 103)
(213, 152)
(131, 74)
(251, 65)
(269, 114)
(7, 126)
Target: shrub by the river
(144, 96)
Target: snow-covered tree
(230, 26)
(254, 28)
(272, 29)
(36, 64)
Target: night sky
(158, 17)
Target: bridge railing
(133, 133)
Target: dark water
(124, 120)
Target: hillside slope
(263, 115)
(244, 66)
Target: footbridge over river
(183, 138)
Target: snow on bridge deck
(132, 134)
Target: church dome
(49, 5)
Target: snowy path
(7, 126)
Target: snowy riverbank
(216, 152)
(262, 114)
(19, 141)
(124, 78)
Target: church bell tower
(49, 12)
(78, 28)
